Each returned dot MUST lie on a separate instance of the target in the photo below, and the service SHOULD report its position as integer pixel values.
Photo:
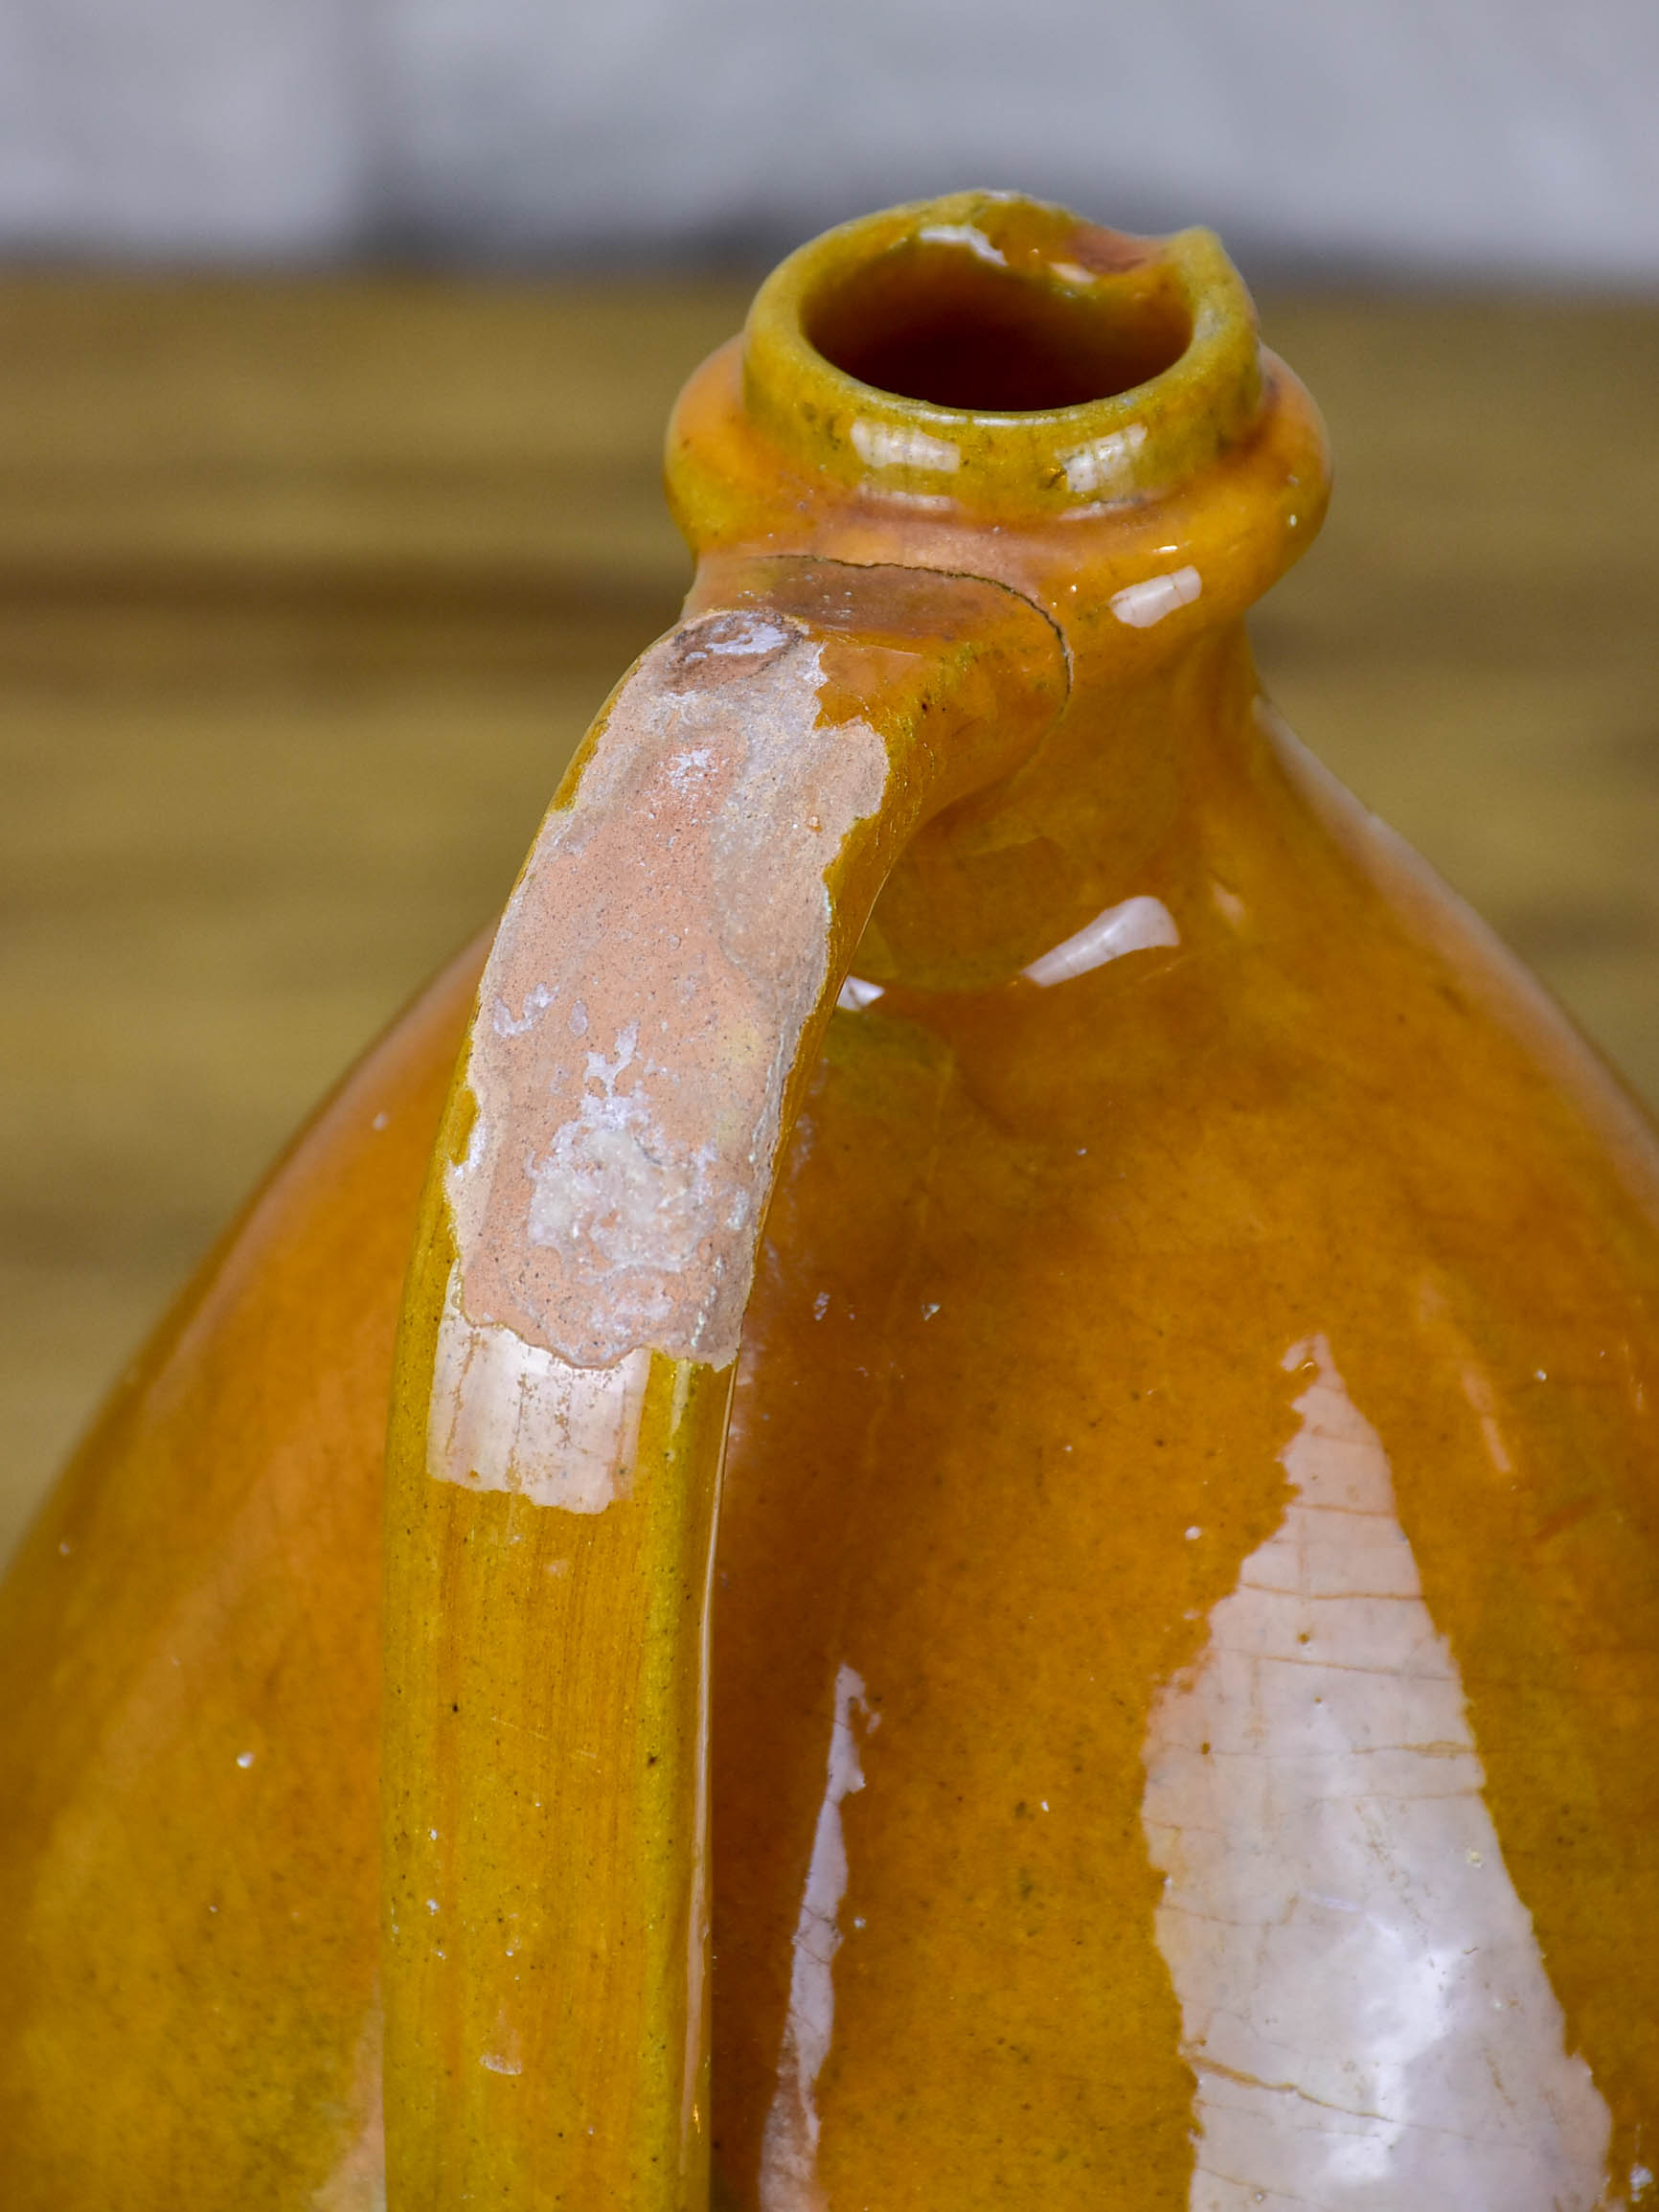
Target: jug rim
(1173, 310)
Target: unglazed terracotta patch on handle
(640, 1015)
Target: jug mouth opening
(939, 319)
(990, 352)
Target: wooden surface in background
(308, 589)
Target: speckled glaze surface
(1019, 1556)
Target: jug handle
(650, 1010)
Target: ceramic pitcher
(1018, 1560)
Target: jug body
(1188, 1466)
(189, 1767)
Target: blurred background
(338, 338)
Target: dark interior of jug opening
(939, 324)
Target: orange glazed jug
(1016, 1565)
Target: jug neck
(990, 387)
(987, 385)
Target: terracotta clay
(1021, 1542)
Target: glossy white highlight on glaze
(1362, 1995)
(1135, 925)
(919, 502)
(1434, 1311)
(855, 994)
(1141, 604)
(506, 1415)
(1103, 462)
(789, 2147)
(1482, 1403)
(964, 235)
(897, 445)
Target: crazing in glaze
(789, 2151)
(508, 1415)
(1102, 463)
(612, 1189)
(880, 447)
(1363, 1998)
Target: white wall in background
(1519, 135)
(181, 125)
